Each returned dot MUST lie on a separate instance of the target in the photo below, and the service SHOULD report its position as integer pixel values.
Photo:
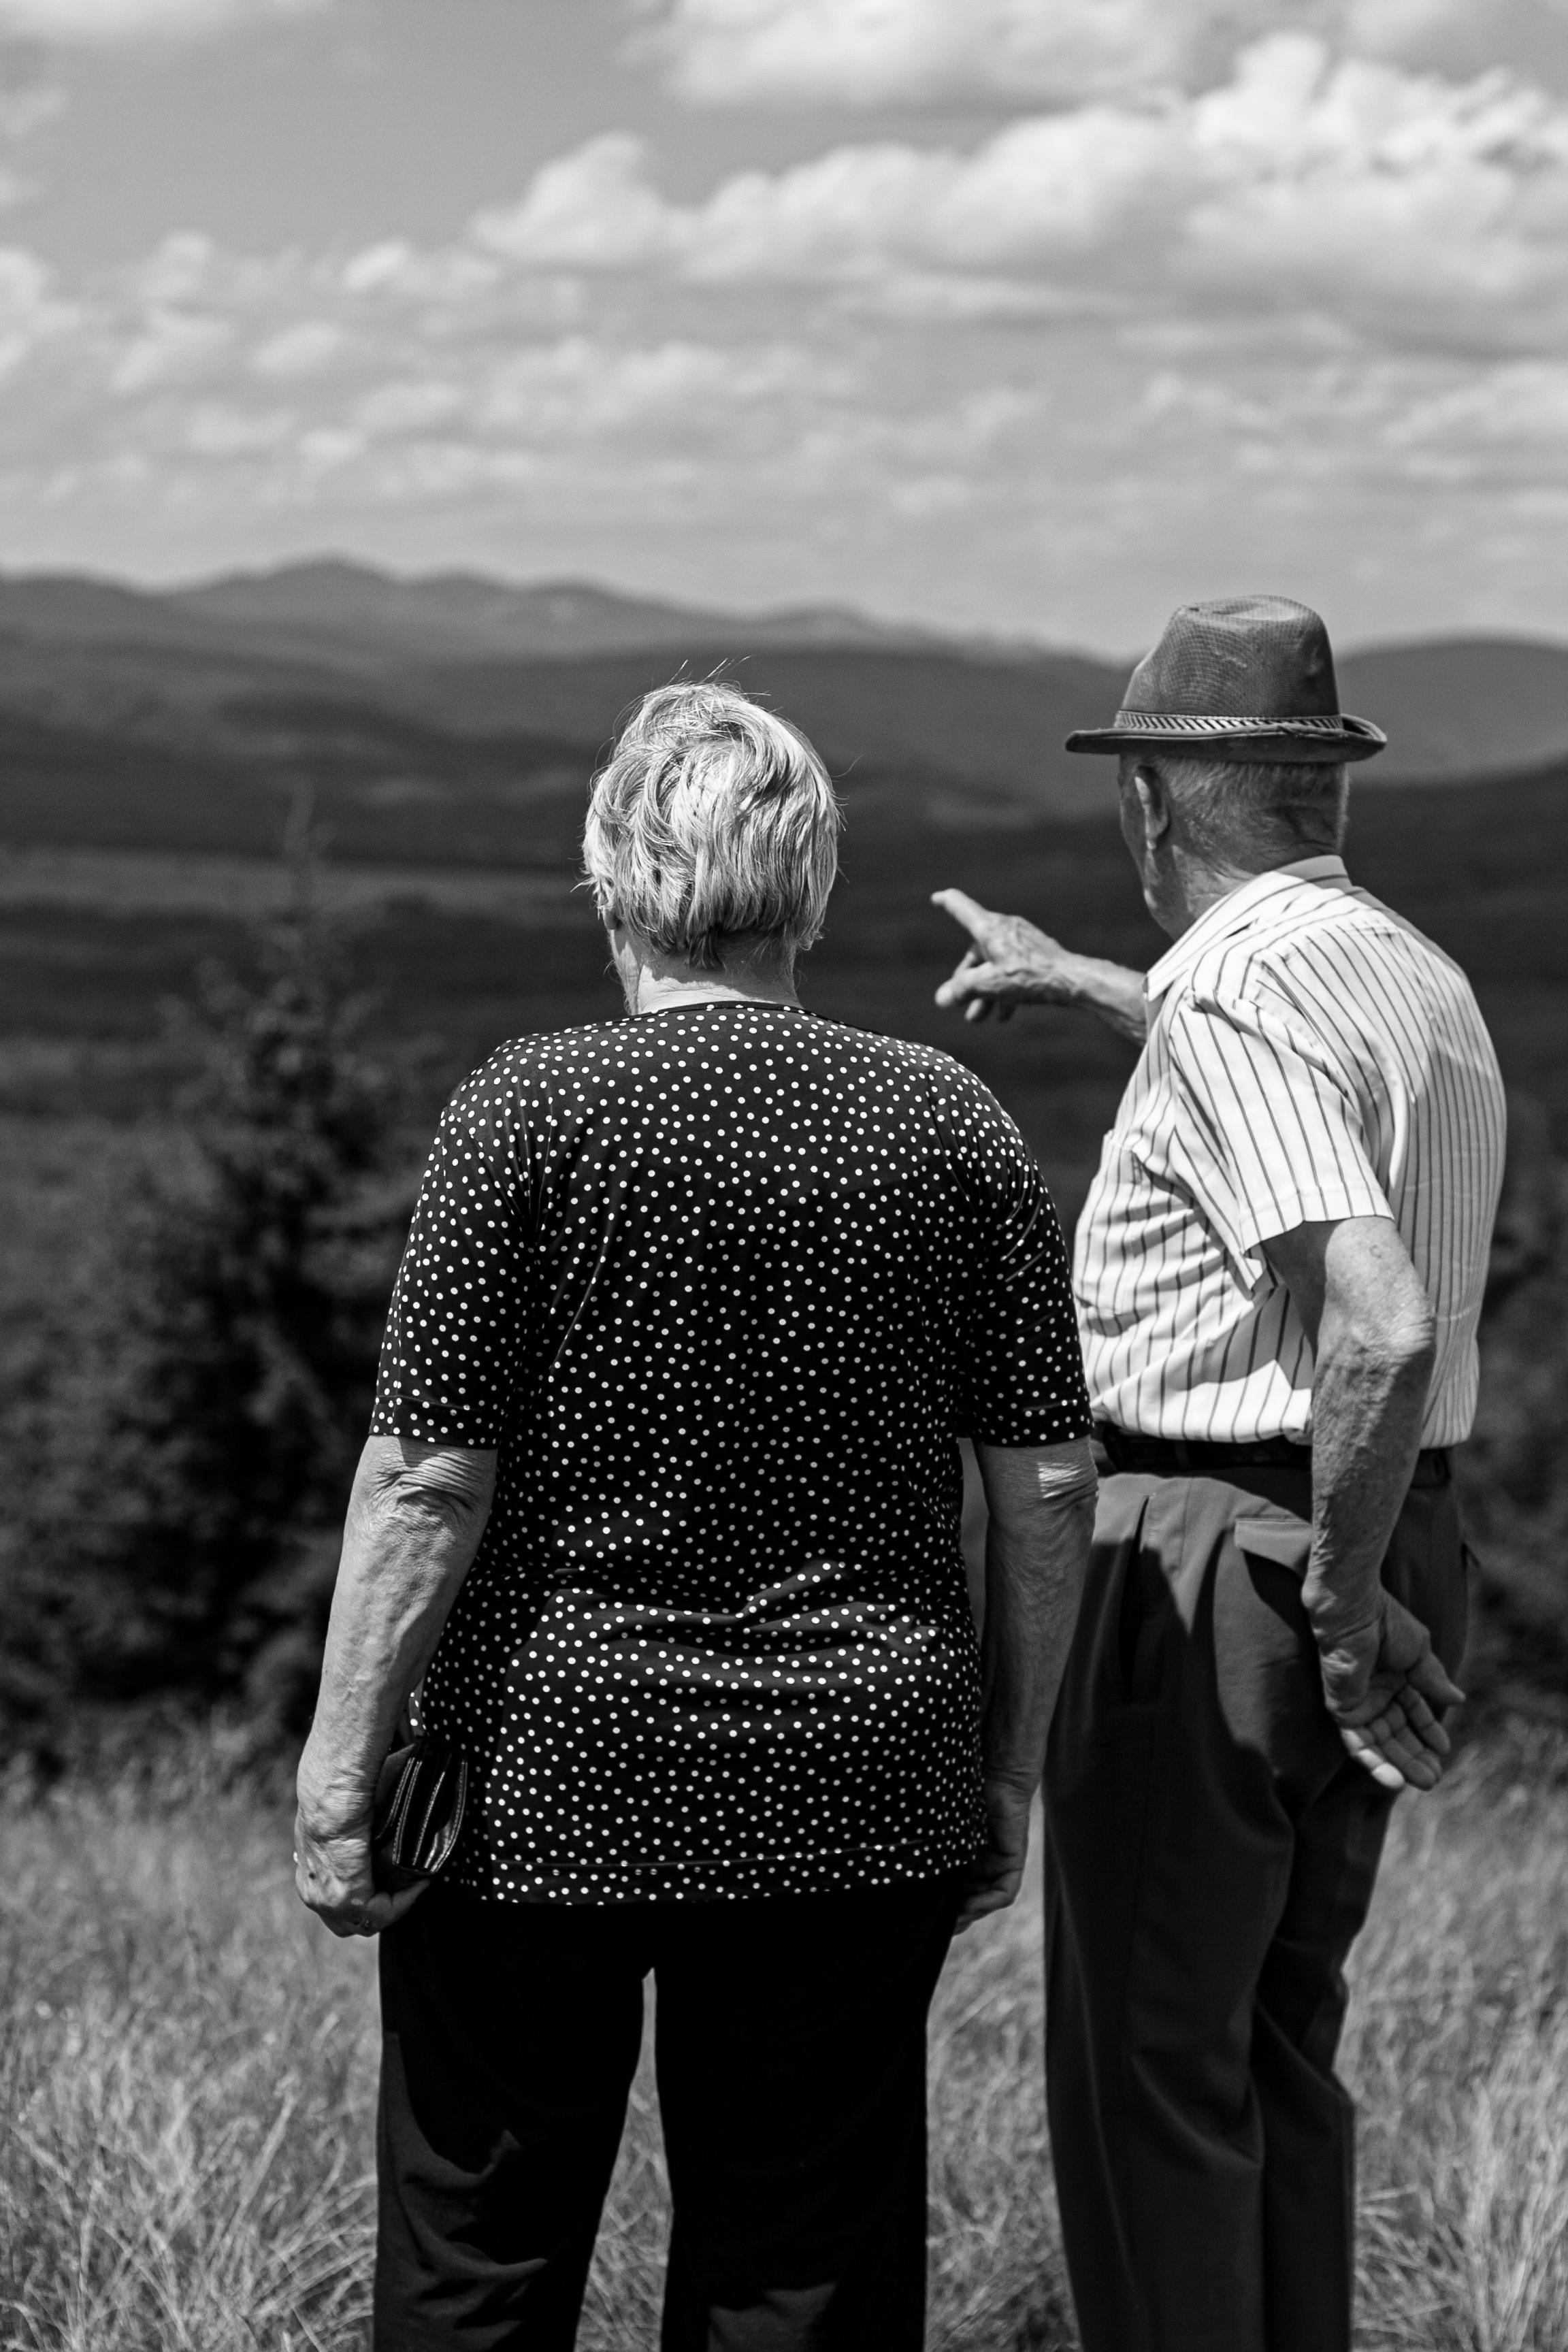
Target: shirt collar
(1233, 913)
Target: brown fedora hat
(1243, 678)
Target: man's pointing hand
(1012, 962)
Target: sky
(1025, 316)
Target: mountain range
(314, 670)
(1449, 704)
(154, 746)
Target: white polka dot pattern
(724, 1285)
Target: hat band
(1180, 722)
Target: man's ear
(1153, 804)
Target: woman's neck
(654, 983)
(657, 992)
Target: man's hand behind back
(1370, 1323)
(1386, 1689)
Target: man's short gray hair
(713, 819)
(1247, 808)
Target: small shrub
(1514, 1471)
(179, 1532)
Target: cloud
(674, 393)
(108, 22)
(173, 346)
(882, 52)
(595, 209)
(304, 349)
(25, 105)
(398, 368)
(1104, 351)
(1403, 204)
(1515, 416)
(29, 99)
(1042, 190)
(900, 52)
(32, 311)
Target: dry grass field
(186, 2071)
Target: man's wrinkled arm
(1371, 1324)
(1041, 1500)
(415, 1520)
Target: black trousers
(791, 2054)
(1211, 1856)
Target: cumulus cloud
(400, 368)
(106, 23)
(1042, 190)
(879, 52)
(1330, 294)
(1405, 203)
(892, 52)
(33, 314)
(25, 105)
(1516, 414)
(304, 349)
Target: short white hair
(1254, 807)
(713, 820)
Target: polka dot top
(723, 1285)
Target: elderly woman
(662, 1505)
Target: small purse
(419, 1799)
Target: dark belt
(1191, 1457)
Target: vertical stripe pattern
(1310, 1055)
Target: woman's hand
(995, 1875)
(333, 1878)
(416, 1518)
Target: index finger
(976, 920)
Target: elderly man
(1279, 1273)
(664, 1487)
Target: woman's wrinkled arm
(1041, 1504)
(415, 1520)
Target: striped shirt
(1310, 1055)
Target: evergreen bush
(181, 1533)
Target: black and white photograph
(783, 1176)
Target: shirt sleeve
(1275, 1135)
(454, 1334)
(1021, 1373)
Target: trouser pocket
(1145, 1603)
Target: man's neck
(1199, 887)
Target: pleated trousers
(1211, 1856)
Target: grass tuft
(187, 2076)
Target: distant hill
(351, 612)
(1461, 707)
(456, 719)
(465, 617)
(392, 695)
